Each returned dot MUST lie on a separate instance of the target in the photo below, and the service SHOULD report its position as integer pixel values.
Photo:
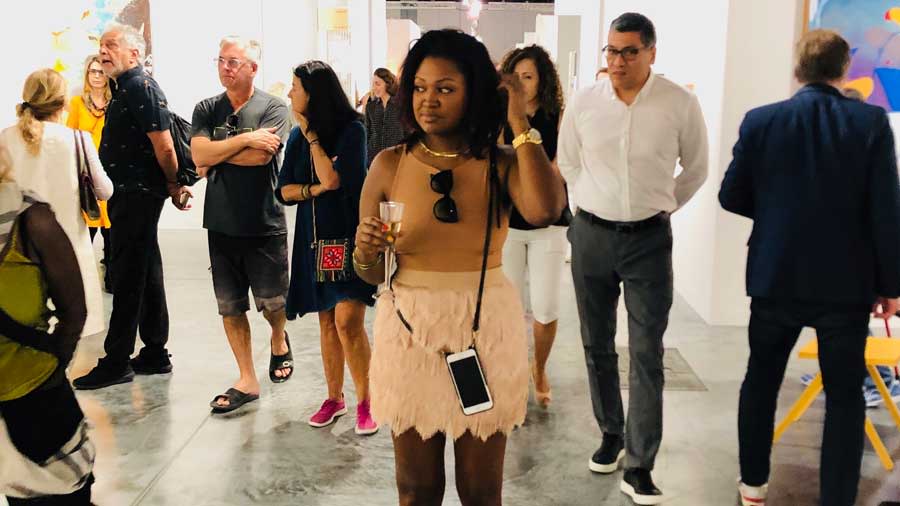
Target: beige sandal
(542, 398)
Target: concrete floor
(158, 445)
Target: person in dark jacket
(817, 174)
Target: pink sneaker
(328, 413)
(365, 425)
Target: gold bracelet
(364, 267)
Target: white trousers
(534, 261)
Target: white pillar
(758, 72)
(360, 44)
(378, 36)
(591, 13)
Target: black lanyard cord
(492, 177)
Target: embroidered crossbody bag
(332, 255)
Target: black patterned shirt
(383, 126)
(138, 106)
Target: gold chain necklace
(440, 154)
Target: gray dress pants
(641, 260)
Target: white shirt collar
(648, 86)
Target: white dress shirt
(619, 160)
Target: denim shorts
(240, 264)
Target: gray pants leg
(642, 261)
(597, 296)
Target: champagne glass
(392, 217)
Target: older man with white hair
(239, 134)
(138, 153)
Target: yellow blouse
(81, 118)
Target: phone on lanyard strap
(465, 367)
(468, 380)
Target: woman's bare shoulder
(386, 162)
(384, 168)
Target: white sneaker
(752, 496)
(894, 389)
(872, 396)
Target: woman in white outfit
(43, 158)
(534, 253)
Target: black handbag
(86, 195)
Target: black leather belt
(626, 227)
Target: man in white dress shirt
(619, 144)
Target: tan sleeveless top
(428, 244)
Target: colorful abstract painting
(78, 24)
(872, 27)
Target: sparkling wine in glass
(391, 214)
(393, 231)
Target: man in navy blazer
(817, 174)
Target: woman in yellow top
(88, 112)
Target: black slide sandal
(277, 362)
(235, 399)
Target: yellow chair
(880, 351)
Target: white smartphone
(468, 379)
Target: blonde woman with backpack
(43, 158)
(47, 457)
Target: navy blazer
(817, 174)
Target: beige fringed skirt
(410, 383)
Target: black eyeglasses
(445, 207)
(629, 53)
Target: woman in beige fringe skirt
(444, 177)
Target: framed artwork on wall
(872, 27)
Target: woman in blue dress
(323, 172)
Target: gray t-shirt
(240, 201)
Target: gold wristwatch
(531, 136)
